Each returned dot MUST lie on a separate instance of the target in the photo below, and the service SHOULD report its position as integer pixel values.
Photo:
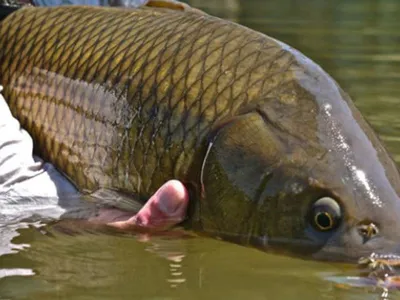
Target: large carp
(273, 152)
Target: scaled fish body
(273, 151)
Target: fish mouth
(380, 265)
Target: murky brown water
(355, 41)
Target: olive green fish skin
(132, 95)
(127, 99)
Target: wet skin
(273, 153)
(165, 209)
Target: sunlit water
(355, 41)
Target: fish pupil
(324, 220)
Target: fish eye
(325, 214)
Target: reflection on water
(103, 266)
(355, 41)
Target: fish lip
(380, 266)
(390, 259)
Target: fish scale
(88, 66)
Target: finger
(166, 208)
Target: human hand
(166, 208)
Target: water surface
(357, 42)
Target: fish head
(301, 171)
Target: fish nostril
(368, 231)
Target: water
(357, 43)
